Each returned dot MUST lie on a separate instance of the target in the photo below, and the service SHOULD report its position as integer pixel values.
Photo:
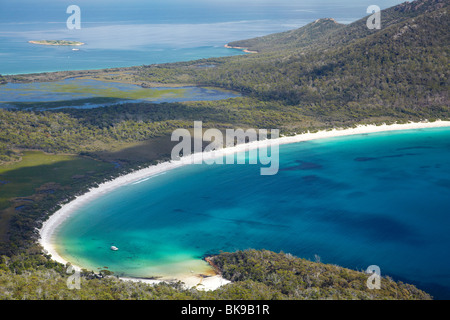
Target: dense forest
(256, 275)
(321, 76)
(347, 68)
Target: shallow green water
(81, 93)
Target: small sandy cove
(47, 232)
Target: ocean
(138, 32)
(373, 199)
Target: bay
(376, 199)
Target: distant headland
(57, 43)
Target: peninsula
(57, 42)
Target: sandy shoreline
(49, 228)
(240, 48)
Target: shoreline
(52, 224)
(240, 48)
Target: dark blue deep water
(378, 199)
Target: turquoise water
(354, 201)
(136, 32)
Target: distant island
(57, 42)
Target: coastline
(240, 48)
(49, 227)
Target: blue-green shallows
(376, 199)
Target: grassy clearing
(21, 179)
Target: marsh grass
(37, 168)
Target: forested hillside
(256, 274)
(311, 34)
(337, 70)
(327, 33)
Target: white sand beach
(48, 230)
(240, 48)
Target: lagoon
(89, 93)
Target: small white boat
(74, 49)
(113, 248)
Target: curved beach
(49, 228)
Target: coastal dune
(50, 227)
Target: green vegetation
(36, 179)
(36, 168)
(98, 129)
(291, 39)
(294, 278)
(320, 76)
(344, 72)
(100, 94)
(257, 275)
(112, 92)
(61, 132)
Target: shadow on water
(88, 93)
(375, 227)
(303, 165)
(364, 159)
(87, 103)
